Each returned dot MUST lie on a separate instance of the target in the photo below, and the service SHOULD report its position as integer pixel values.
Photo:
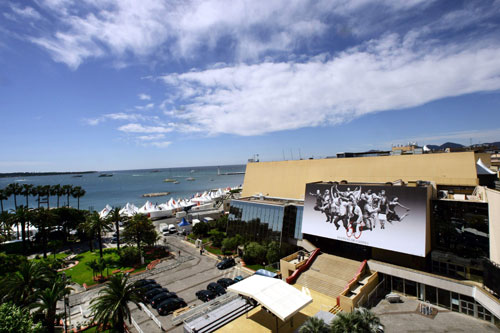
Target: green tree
(3, 197)
(9, 263)
(273, 252)
(140, 230)
(115, 217)
(216, 236)
(314, 325)
(57, 191)
(15, 319)
(254, 253)
(5, 226)
(21, 216)
(360, 320)
(20, 286)
(96, 226)
(55, 245)
(13, 189)
(201, 229)
(231, 244)
(44, 220)
(66, 190)
(47, 298)
(26, 190)
(78, 192)
(111, 307)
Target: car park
(216, 288)
(158, 299)
(169, 305)
(205, 295)
(225, 282)
(226, 263)
(148, 296)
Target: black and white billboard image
(387, 217)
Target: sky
(113, 85)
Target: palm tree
(77, 193)
(66, 189)
(46, 193)
(3, 197)
(115, 217)
(93, 266)
(95, 225)
(360, 320)
(20, 286)
(15, 190)
(44, 220)
(5, 225)
(47, 300)
(111, 305)
(26, 190)
(57, 191)
(139, 230)
(21, 216)
(314, 325)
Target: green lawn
(257, 267)
(60, 255)
(82, 273)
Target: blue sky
(106, 85)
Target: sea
(129, 185)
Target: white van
(172, 229)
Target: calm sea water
(130, 185)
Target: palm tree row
(41, 191)
(360, 320)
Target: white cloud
(138, 128)
(26, 12)
(144, 97)
(118, 116)
(384, 74)
(148, 106)
(151, 137)
(160, 144)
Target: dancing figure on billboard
(391, 210)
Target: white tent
(105, 211)
(277, 296)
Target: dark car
(205, 295)
(143, 282)
(148, 296)
(226, 263)
(148, 287)
(158, 299)
(170, 304)
(216, 288)
(225, 282)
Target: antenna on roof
(284, 159)
(300, 155)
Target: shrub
(129, 256)
(254, 253)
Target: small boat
(105, 175)
(169, 180)
(176, 182)
(190, 179)
(77, 176)
(192, 171)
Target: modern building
(445, 251)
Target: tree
(201, 229)
(360, 320)
(77, 193)
(15, 319)
(3, 197)
(217, 237)
(57, 191)
(273, 252)
(47, 298)
(93, 265)
(44, 220)
(255, 253)
(26, 190)
(66, 190)
(5, 225)
(22, 216)
(231, 244)
(314, 325)
(139, 230)
(15, 190)
(115, 217)
(20, 286)
(96, 226)
(111, 306)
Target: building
(453, 248)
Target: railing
(137, 327)
(150, 314)
(292, 278)
(356, 276)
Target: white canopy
(105, 211)
(482, 169)
(277, 296)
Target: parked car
(238, 278)
(169, 305)
(226, 263)
(149, 287)
(225, 282)
(172, 229)
(205, 295)
(216, 288)
(158, 299)
(148, 296)
(143, 282)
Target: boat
(155, 194)
(176, 182)
(190, 179)
(77, 176)
(192, 171)
(169, 180)
(106, 175)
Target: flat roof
(275, 295)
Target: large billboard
(387, 217)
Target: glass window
(410, 288)
(397, 284)
(430, 294)
(444, 298)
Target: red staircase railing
(292, 278)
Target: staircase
(329, 274)
(336, 309)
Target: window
(397, 284)
(410, 288)
(430, 294)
